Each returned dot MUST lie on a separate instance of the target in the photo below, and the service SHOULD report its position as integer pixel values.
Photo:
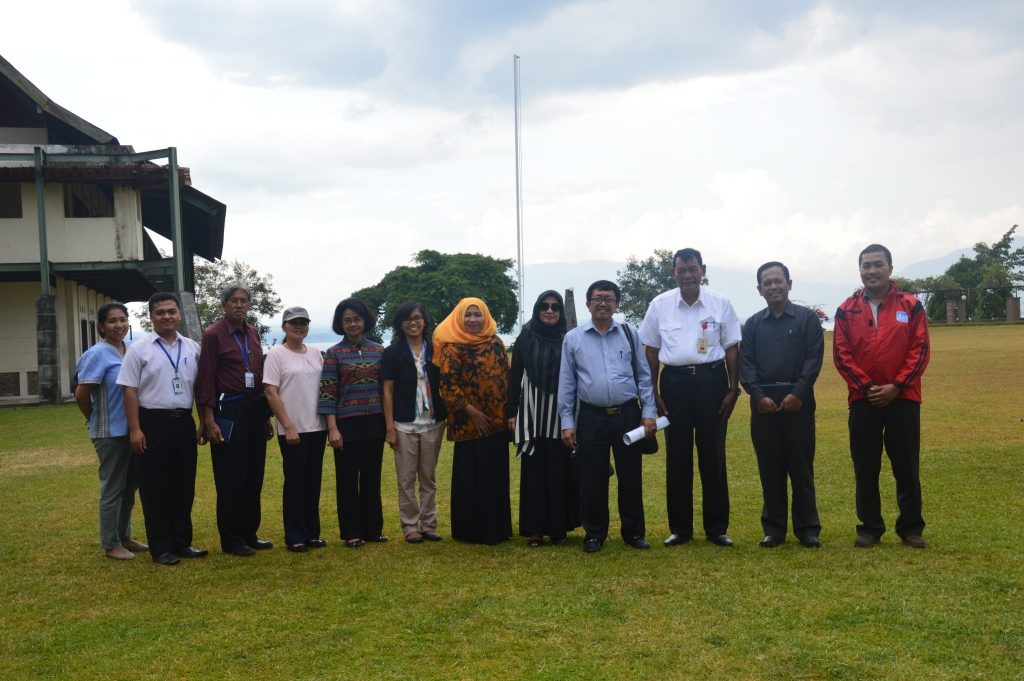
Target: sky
(346, 136)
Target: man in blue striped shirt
(602, 374)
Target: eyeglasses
(238, 302)
(602, 300)
(554, 307)
(413, 320)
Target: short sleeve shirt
(152, 369)
(99, 366)
(297, 378)
(690, 334)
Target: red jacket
(895, 350)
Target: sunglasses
(554, 307)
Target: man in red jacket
(880, 348)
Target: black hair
(405, 311)
(605, 285)
(875, 248)
(357, 306)
(104, 312)
(768, 266)
(161, 296)
(684, 254)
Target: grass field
(448, 610)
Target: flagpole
(519, 190)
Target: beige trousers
(416, 456)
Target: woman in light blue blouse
(101, 400)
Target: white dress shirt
(150, 368)
(681, 331)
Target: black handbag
(648, 445)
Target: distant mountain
(936, 266)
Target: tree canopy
(642, 280)
(986, 280)
(439, 280)
(211, 277)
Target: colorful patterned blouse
(476, 375)
(350, 382)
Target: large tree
(642, 280)
(986, 281)
(211, 277)
(439, 280)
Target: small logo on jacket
(902, 316)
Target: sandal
(354, 543)
(535, 541)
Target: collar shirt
(224, 366)
(690, 334)
(152, 366)
(787, 349)
(598, 369)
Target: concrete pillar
(1013, 309)
(190, 325)
(570, 309)
(950, 312)
(47, 350)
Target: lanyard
(174, 363)
(244, 348)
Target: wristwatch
(736, 391)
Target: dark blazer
(397, 364)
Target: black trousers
(693, 401)
(303, 465)
(357, 478)
(238, 468)
(595, 434)
(167, 479)
(897, 426)
(784, 444)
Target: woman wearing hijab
(548, 496)
(350, 399)
(101, 401)
(474, 381)
(414, 415)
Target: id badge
(702, 345)
(250, 379)
(176, 386)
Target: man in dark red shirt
(881, 349)
(229, 392)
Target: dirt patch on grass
(32, 461)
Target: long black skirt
(549, 491)
(481, 510)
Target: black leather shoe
(316, 543)
(379, 539)
(811, 542)
(915, 541)
(191, 552)
(637, 542)
(262, 544)
(676, 539)
(243, 550)
(770, 542)
(865, 541)
(431, 536)
(166, 559)
(298, 548)
(591, 545)
(721, 540)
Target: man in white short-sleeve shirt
(158, 373)
(694, 333)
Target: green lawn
(448, 610)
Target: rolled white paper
(637, 434)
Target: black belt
(169, 413)
(608, 411)
(692, 369)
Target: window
(10, 200)
(88, 200)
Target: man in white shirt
(694, 332)
(158, 373)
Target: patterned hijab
(453, 328)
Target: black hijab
(542, 346)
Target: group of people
(565, 398)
